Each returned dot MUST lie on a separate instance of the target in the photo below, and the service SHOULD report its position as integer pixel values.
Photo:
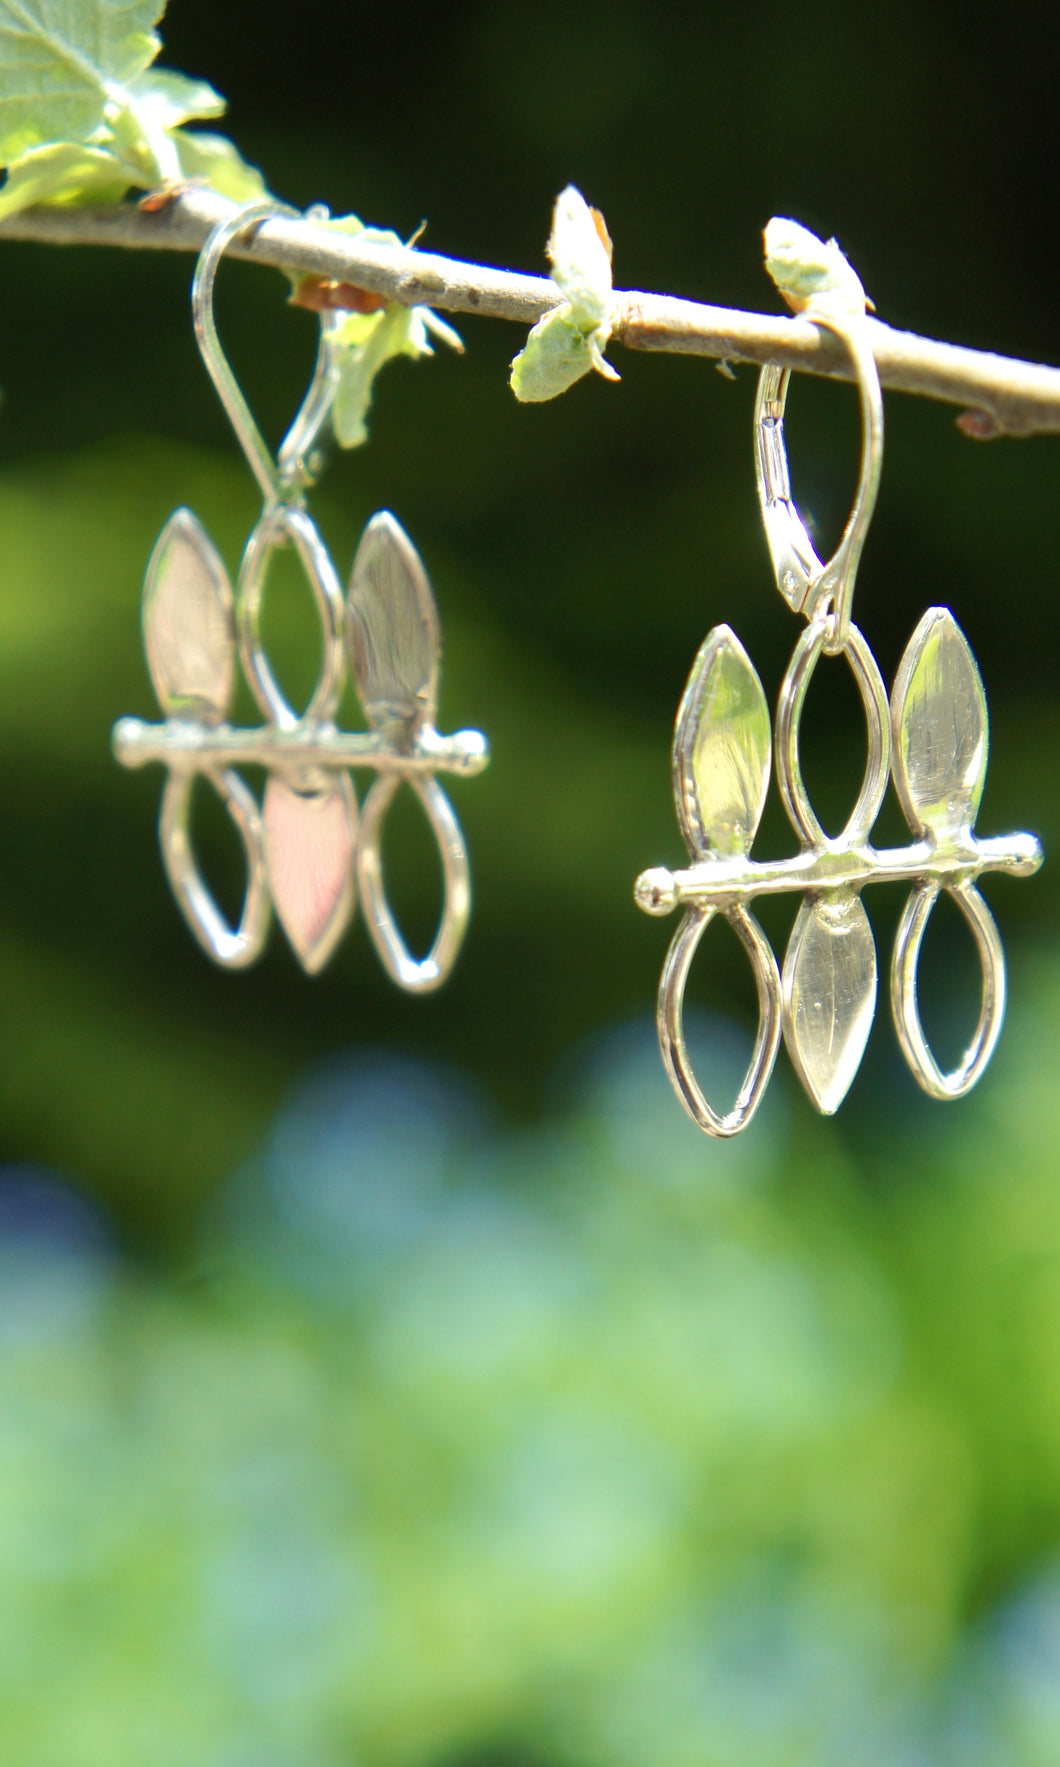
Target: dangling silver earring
(932, 739)
(307, 850)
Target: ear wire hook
(295, 467)
(810, 587)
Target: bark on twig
(1000, 395)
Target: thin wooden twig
(999, 395)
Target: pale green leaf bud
(581, 263)
(809, 271)
(555, 355)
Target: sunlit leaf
(64, 172)
(829, 996)
(941, 732)
(721, 754)
(188, 622)
(807, 269)
(371, 335)
(579, 250)
(392, 629)
(555, 355)
(60, 64)
(218, 162)
(169, 98)
(569, 342)
(77, 76)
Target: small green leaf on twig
(216, 161)
(85, 117)
(570, 340)
(809, 271)
(374, 332)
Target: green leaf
(365, 343)
(581, 262)
(571, 340)
(64, 173)
(555, 355)
(62, 62)
(353, 224)
(214, 158)
(172, 98)
(810, 270)
(84, 116)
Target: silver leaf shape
(721, 754)
(189, 630)
(310, 845)
(829, 985)
(392, 630)
(939, 720)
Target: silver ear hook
(810, 587)
(296, 467)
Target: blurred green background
(405, 1382)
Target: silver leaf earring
(308, 851)
(932, 738)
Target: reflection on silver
(829, 994)
(721, 749)
(417, 977)
(310, 845)
(189, 623)
(393, 632)
(304, 850)
(932, 739)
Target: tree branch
(1000, 395)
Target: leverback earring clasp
(809, 586)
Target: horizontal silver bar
(725, 882)
(182, 744)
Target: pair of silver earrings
(310, 851)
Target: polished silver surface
(805, 657)
(417, 976)
(808, 586)
(310, 848)
(670, 1019)
(721, 759)
(189, 623)
(932, 739)
(234, 947)
(721, 749)
(941, 728)
(829, 984)
(307, 849)
(282, 526)
(393, 632)
(941, 741)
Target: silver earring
(932, 739)
(308, 850)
